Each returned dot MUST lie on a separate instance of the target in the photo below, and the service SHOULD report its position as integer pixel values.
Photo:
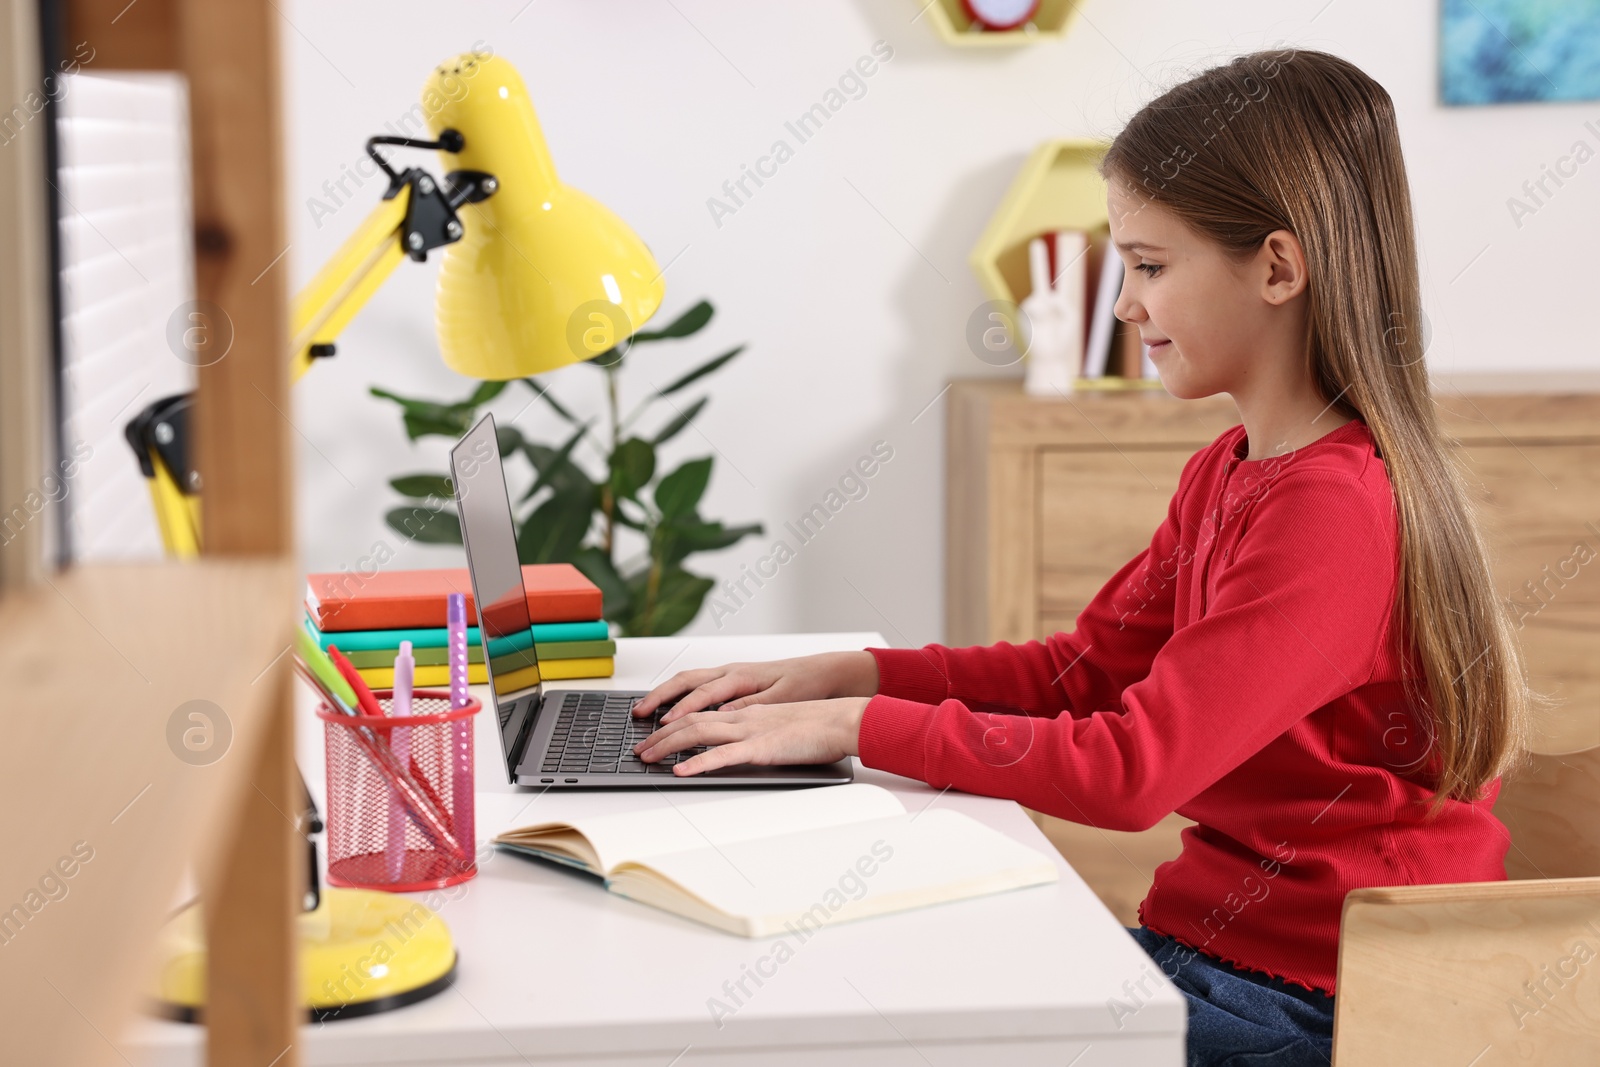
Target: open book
(791, 861)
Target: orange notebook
(394, 600)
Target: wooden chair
(1488, 972)
(1434, 974)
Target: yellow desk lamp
(361, 951)
(536, 274)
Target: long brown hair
(1304, 141)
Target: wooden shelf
(101, 658)
(1115, 383)
(952, 23)
(98, 661)
(1058, 188)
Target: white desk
(555, 971)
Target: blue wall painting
(1514, 51)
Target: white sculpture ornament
(1052, 316)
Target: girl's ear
(1285, 263)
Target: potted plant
(568, 515)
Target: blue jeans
(1242, 1018)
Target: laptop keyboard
(595, 734)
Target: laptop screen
(504, 627)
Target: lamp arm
(415, 216)
(346, 281)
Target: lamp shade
(543, 275)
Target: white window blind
(127, 268)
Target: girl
(1309, 660)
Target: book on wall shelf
(1113, 356)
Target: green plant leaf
(405, 402)
(434, 420)
(610, 359)
(679, 421)
(679, 493)
(485, 392)
(543, 392)
(510, 440)
(426, 417)
(701, 371)
(689, 322)
(597, 567)
(680, 383)
(677, 602)
(633, 464)
(555, 529)
(620, 513)
(680, 537)
(555, 466)
(423, 486)
(431, 527)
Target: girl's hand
(809, 731)
(738, 685)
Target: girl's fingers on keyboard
(674, 688)
(719, 690)
(739, 685)
(766, 696)
(692, 734)
(666, 731)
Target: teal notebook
(435, 657)
(389, 640)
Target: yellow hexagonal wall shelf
(1058, 188)
(953, 23)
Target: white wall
(847, 272)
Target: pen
(461, 784)
(347, 670)
(400, 744)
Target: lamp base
(361, 952)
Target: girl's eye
(1150, 269)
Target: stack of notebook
(368, 616)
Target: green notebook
(425, 657)
(439, 637)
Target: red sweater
(1240, 671)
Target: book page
(812, 878)
(684, 824)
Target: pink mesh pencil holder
(391, 832)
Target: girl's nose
(1126, 308)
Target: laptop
(562, 738)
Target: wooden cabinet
(1047, 498)
(1089, 511)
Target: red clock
(1000, 14)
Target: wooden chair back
(1491, 972)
